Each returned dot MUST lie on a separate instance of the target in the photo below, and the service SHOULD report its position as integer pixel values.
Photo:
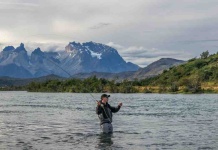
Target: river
(146, 121)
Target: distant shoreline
(142, 90)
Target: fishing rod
(89, 93)
(58, 66)
(50, 60)
(93, 97)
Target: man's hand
(98, 103)
(120, 104)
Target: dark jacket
(105, 111)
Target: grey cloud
(100, 25)
(45, 46)
(31, 46)
(144, 56)
(150, 53)
(141, 52)
(181, 29)
(17, 5)
(198, 41)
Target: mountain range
(76, 61)
(76, 58)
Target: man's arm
(115, 109)
(98, 108)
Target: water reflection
(105, 140)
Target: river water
(146, 121)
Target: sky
(142, 31)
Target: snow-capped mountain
(76, 58)
(90, 56)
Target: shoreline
(145, 92)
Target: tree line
(89, 85)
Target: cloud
(178, 29)
(17, 5)
(100, 25)
(30, 46)
(198, 41)
(116, 46)
(144, 56)
(5, 36)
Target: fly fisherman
(104, 111)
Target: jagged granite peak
(6, 53)
(98, 47)
(76, 46)
(20, 48)
(15, 62)
(95, 50)
(8, 48)
(38, 52)
(73, 47)
(37, 57)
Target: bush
(204, 55)
(200, 63)
(174, 87)
(193, 59)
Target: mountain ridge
(76, 58)
(151, 70)
(130, 75)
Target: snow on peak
(94, 54)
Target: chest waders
(106, 127)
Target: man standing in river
(104, 111)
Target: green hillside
(196, 75)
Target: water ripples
(146, 121)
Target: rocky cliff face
(14, 62)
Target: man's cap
(104, 95)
